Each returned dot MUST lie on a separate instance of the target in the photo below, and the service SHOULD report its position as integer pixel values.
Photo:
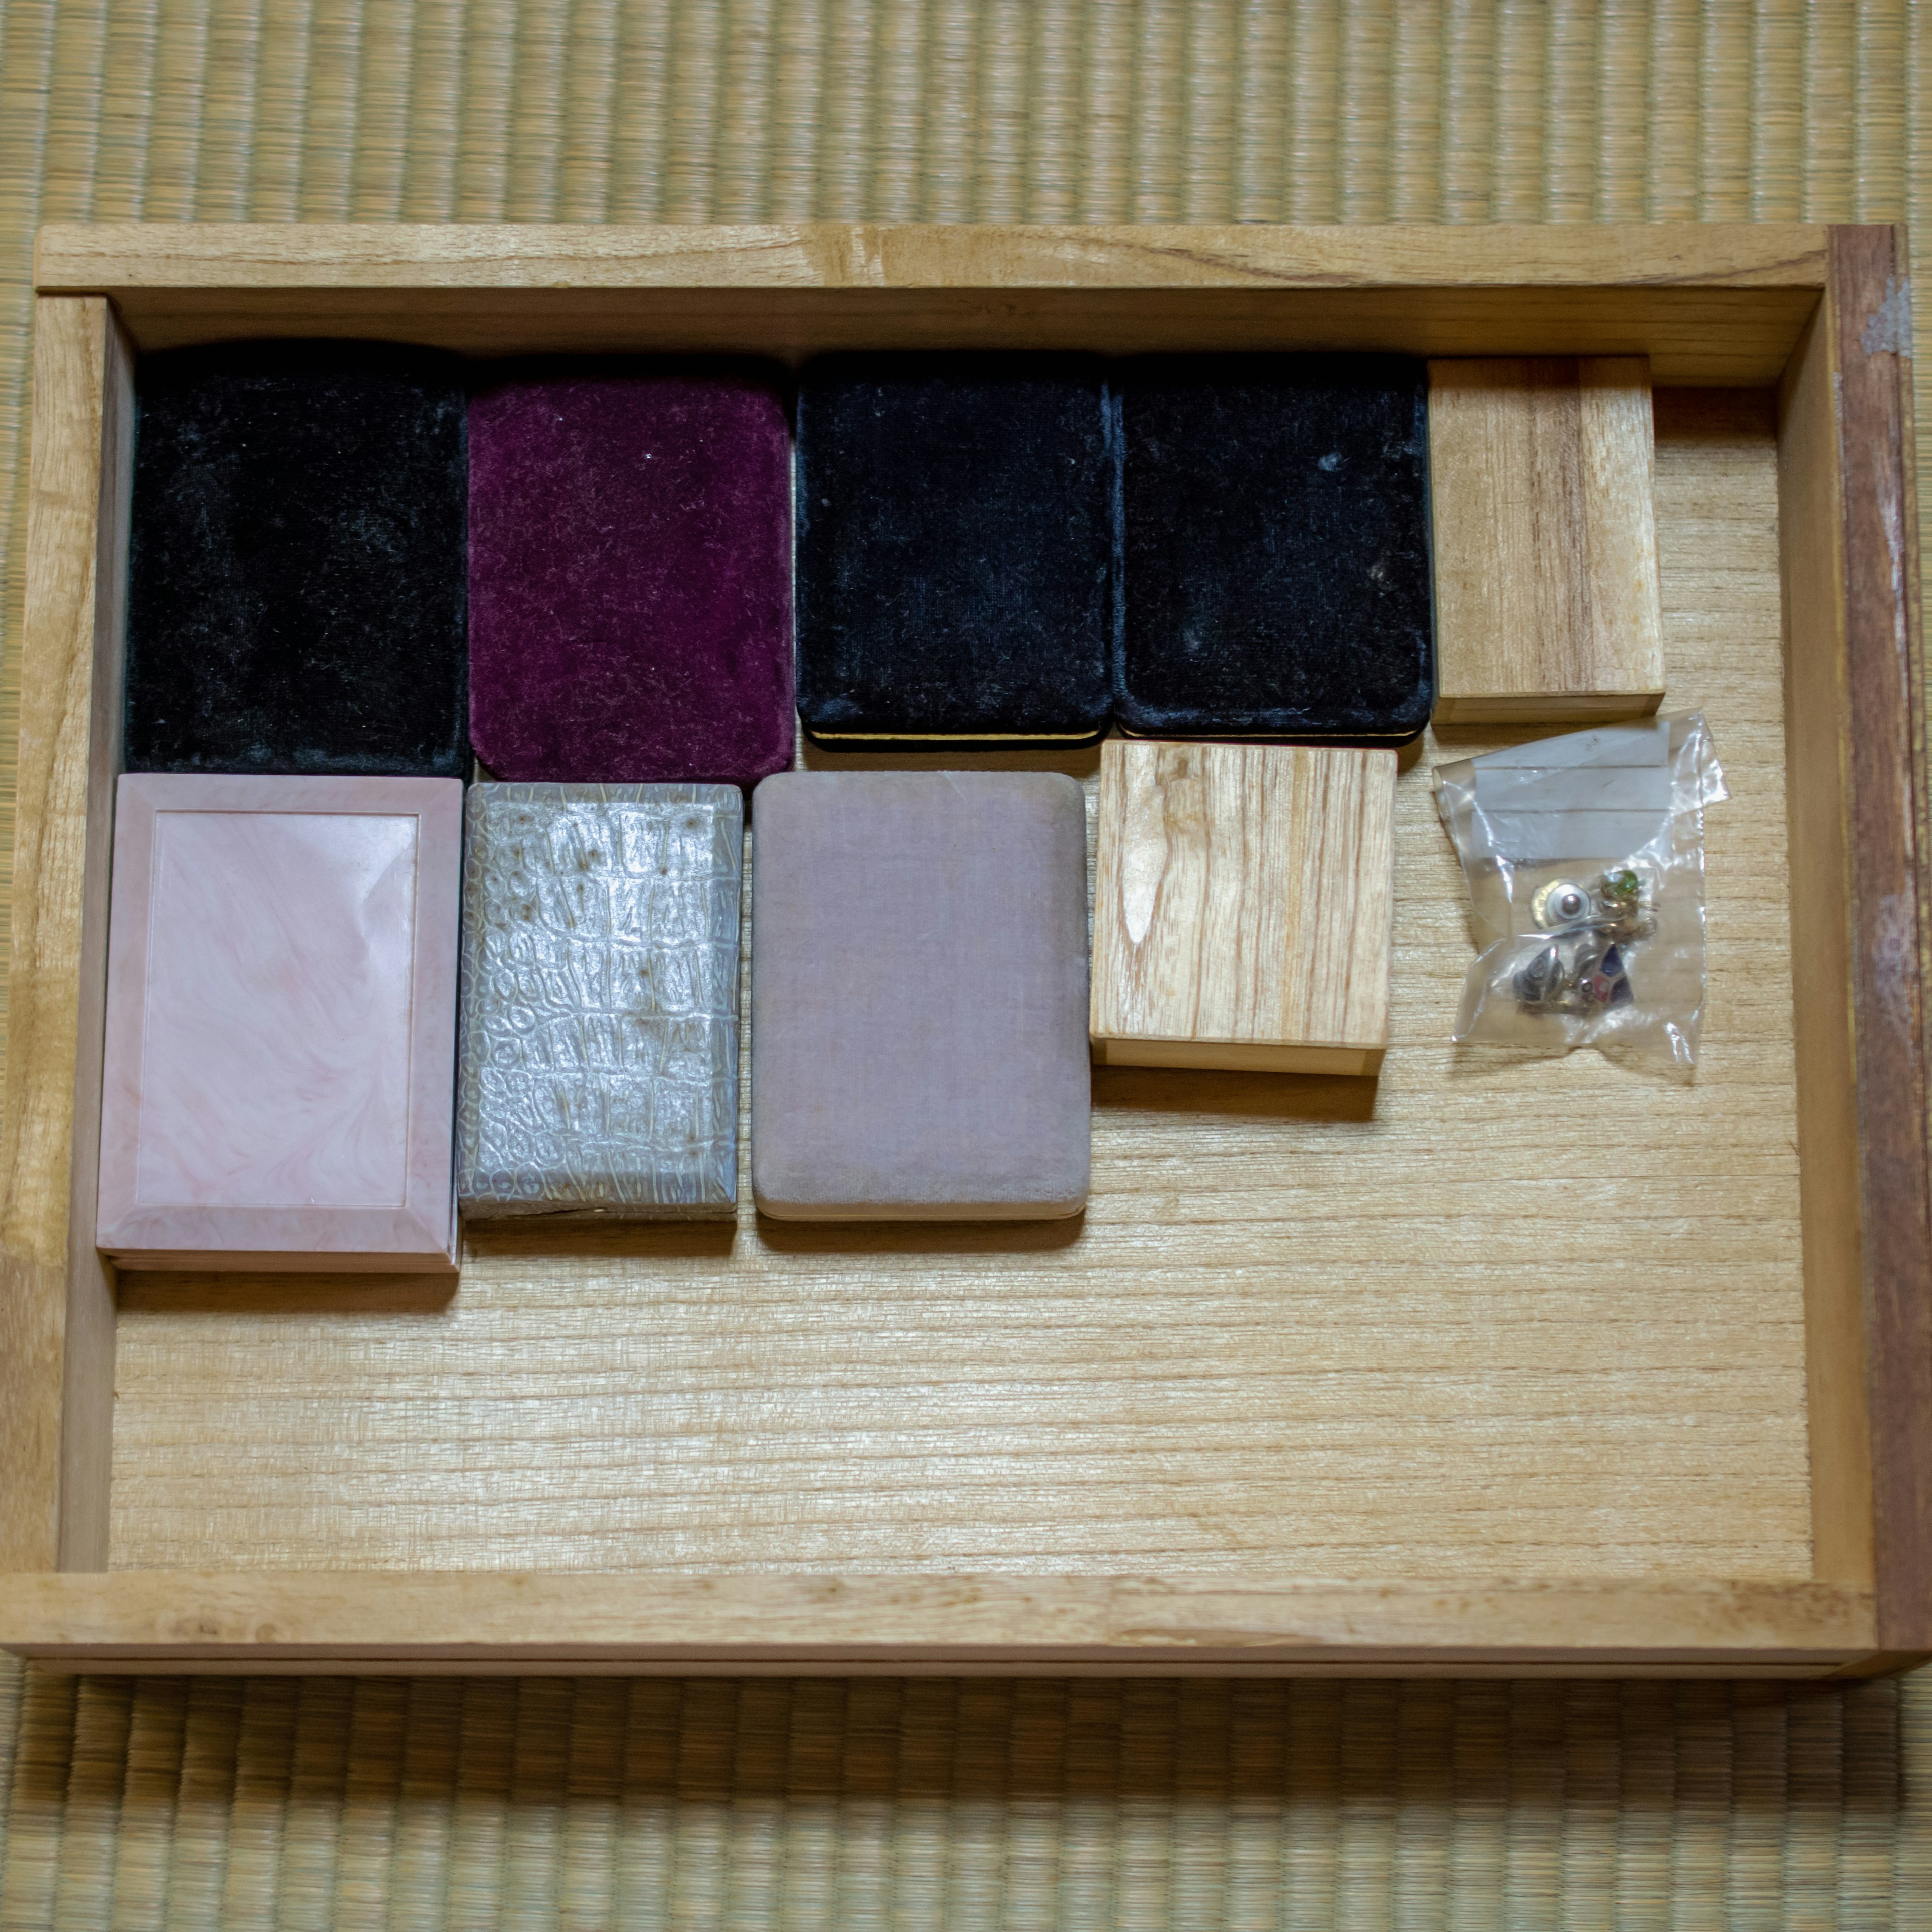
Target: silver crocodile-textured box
(598, 1059)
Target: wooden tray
(1493, 1366)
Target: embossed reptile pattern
(598, 1064)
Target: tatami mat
(183, 1803)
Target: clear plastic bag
(1585, 859)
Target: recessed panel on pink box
(281, 1024)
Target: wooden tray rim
(1828, 322)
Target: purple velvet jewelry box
(630, 576)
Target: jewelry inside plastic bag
(1584, 857)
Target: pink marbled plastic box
(281, 1024)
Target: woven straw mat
(127, 1803)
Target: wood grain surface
(56, 1295)
(1242, 902)
(1544, 540)
(77, 257)
(1476, 1318)
(1709, 305)
(1837, 1366)
(1883, 807)
(955, 1624)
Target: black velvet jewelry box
(296, 590)
(1275, 548)
(954, 579)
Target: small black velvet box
(296, 589)
(1275, 558)
(955, 573)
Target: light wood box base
(1483, 1367)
